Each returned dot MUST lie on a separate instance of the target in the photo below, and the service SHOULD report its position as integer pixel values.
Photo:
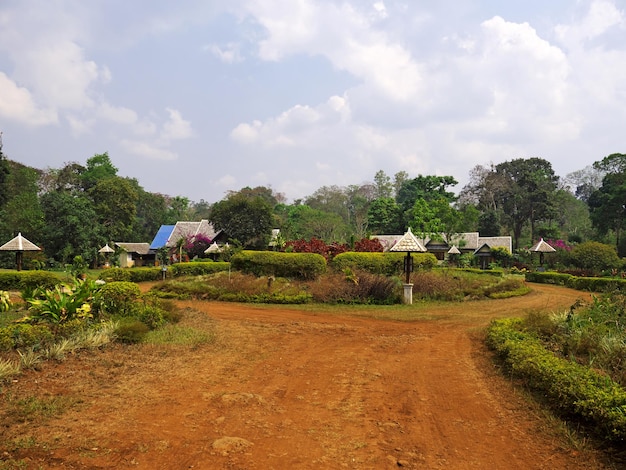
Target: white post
(408, 294)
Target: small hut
(453, 255)
(19, 244)
(541, 247)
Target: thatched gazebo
(453, 254)
(19, 244)
(106, 250)
(541, 247)
(409, 244)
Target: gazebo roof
(408, 243)
(19, 243)
(542, 247)
(454, 250)
(213, 248)
(106, 249)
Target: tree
(99, 167)
(304, 222)
(528, 196)
(383, 186)
(70, 226)
(245, 219)
(385, 217)
(607, 205)
(4, 174)
(178, 209)
(115, 202)
(585, 181)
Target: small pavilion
(19, 244)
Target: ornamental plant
(62, 303)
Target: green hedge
(271, 263)
(197, 268)
(19, 280)
(144, 274)
(571, 389)
(593, 284)
(388, 264)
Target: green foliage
(117, 298)
(198, 268)
(247, 218)
(595, 256)
(389, 264)
(61, 304)
(592, 284)
(5, 301)
(19, 280)
(21, 335)
(131, 331)
(573, 390)
(270, 263)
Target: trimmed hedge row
(20, 280)
(593, 284)
(571, 389)
(271, 263)
(155, 274)
(388, 264)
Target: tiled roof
(464, 241)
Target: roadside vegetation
(574, 361)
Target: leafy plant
(61, 304)
(5, 301)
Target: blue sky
(195, 98)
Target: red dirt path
(283, 388)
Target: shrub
(359, 287)
(131, 331)
(389, 264)
(142, 274)
(23, 335)
(270, 263)
(198, 268)
(117, 298)
(571, 389)
(19, 280)
(63, 303)
(595, 256)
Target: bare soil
(286, 388)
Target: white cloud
(176, 128)
(345, 36)
(147, 150)
(602, 16)
(17, 104)
(229, 54)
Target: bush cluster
(388, 264)
(20, 280)
(592, 284)
(574, 391)
(270, 263)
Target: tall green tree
(247, 220)
(528, 196)
(71, 229)
(4, 174)
(115, 203)
(383, 185)
(607, 207)
(99, 167)
(385, 217)
(305, 222)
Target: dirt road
(289, 389)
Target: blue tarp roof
(160, 239)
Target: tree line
(74, 210)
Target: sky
(195, 98)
